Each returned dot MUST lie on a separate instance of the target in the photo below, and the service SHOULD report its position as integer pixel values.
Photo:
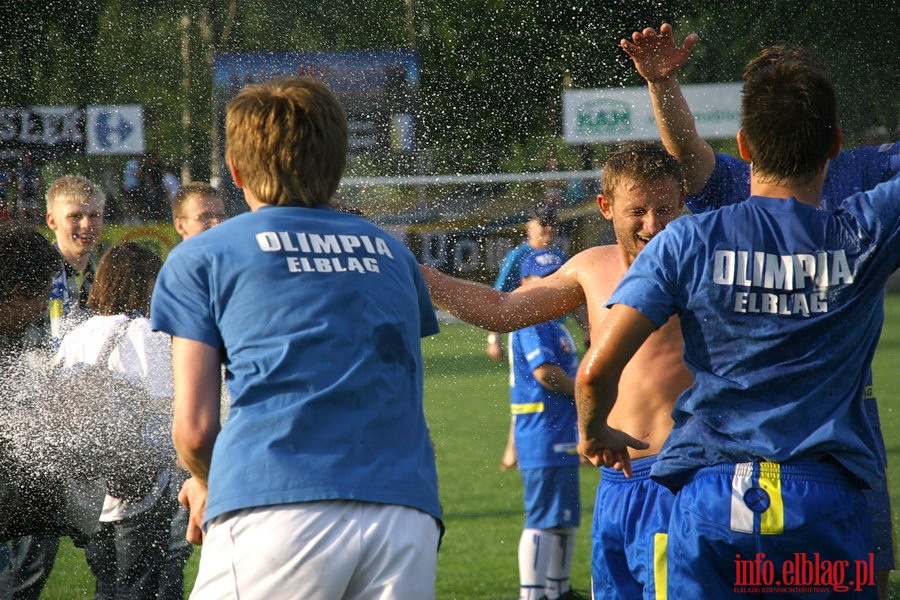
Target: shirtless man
(642, 193)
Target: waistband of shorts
(640, 470)
(814, 471)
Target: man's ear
(235, 174)
(605, 207)
(743, 146)
(179, 227)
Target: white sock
(560, 565)
(535, 548)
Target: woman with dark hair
(127, 552)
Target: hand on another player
(655, 55)
(608, 447)
(193, 497)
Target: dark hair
(789, 118)
(643, 162)
(27, 259)
(288, 140)
(124, 280)
(774, 54)
(194, 188)
(545, 215)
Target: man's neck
(807, 192)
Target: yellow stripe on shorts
(772, 520)
(526, 408)
(660, 577)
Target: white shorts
(332, 550)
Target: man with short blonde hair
(323, 483)
(197, 207)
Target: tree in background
(492, 70)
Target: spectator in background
(28, 181)
(5, 214)
(197, 207)
(131, 191)
(171, 181)
(75, 207)
(153, 203)
(127, 553)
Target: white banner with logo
(116, 129)
(617, 114)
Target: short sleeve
(182, 299)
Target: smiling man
(642, 193)
(75, 207)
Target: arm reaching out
(481, 305)
(597, 384)
(658, 59)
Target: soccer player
(642, 194)
(771, 444)
(321, 483)
(715, 180)
(541, 230)
(544, 361)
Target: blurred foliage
(492, 70)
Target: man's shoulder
(596, 260)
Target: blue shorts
(792, 530)
(628, 535)
(552, 497)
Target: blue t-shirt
(546, 431)
(850, 172)
(781, 309)
(318, 316)
(509, 277)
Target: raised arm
(481, 305)
(658, 59)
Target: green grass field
(466, 401)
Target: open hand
(655, 55)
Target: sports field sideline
(466, 401)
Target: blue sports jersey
(318, 315)
(780, 316)
(508, 278)
(546, 431)
(852, 171)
